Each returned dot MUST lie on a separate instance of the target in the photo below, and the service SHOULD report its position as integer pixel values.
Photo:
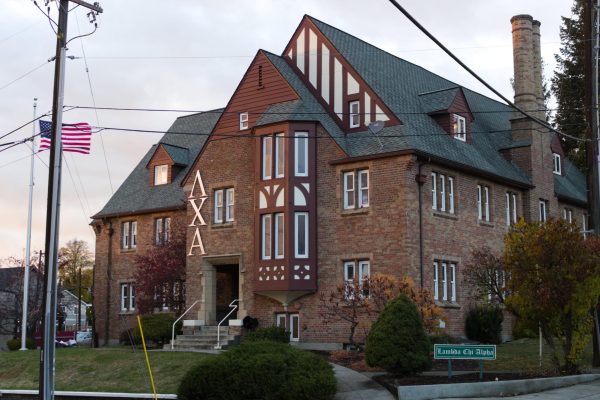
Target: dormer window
(459, 127)
(557, 167)
(243, 121)
(161, 174)
(354, 112)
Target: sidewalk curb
(490, 389)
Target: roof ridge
(201, 112)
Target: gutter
(139, 212)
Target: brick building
(330, 162)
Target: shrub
(157, 328)
(523, 330)
(15, 344)
(397, 341)
(260, 370)
(484, 324)
(273, 333)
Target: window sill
(485, 223)
(447, 304)
(444, 214)
(126, 313)
(355, 211)
(222, 225)
(128, 250)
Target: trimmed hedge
(397, 341)
(157, 328)
(260, 370)
(15, 344)
(484, 324)
(273, 333)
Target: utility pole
(47, 356)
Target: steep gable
(261, 86)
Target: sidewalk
(352, 385)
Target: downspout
(108, 282)
(420, 179)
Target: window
(162, 230)
(301, 234)
(557, 167)
(266, 236)
(442, 193)
(279, 155)
(279, 235)
(161, 174)
(243, 121)
(129, 235)
(483, 203)
(459, 127)
(356, 189)
(224, 202)
(301, 154)
(280, 320)
(511, 208)
(568, 215)
(127, 297)
(267, 157)
(294, 327)
(356, 271)
(354, 112)
(444, 281)
(543, 210)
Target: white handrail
(177, 320)
(218, 346)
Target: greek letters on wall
(198, 219)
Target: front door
(227, 290)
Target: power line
(18, 32)
(23, 76)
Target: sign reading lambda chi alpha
(198, 220)
(464, 352)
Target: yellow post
(147, 359)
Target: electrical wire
(18, 32)
(25, 124)
(23, 76)
(47, 15)
(481, 80)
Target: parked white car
(83, 337)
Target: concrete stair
(202, 339)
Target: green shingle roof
(183, 141)
(439, 100)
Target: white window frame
(162, 227)
(301, 141)
(444, 281)
(349, 192)
(279, 318)
(133, 235)
(436, 287)
(543, 205)
(434, 191)
(243, 121)
(267, 157)
(219, 209)
(362, 177)
(459, 127)
(297, 218)
(442, 192)
(556, 164)
(279, 236)
(568, 215)
(453, 282)
(352, 114)
(450, 195)
(161, 174)
(511, 208)
(483, 203)
(127, 296)
(279, 155)
(128, 235)
(229, 204)
(479, 203)
(266, 235)
(294, 327)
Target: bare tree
(486, 275)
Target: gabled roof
(179, 155)
(136, 196)
(572, 185)
(438, 100)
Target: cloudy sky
(190, 55)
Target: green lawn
(523, 355)
(111, 369)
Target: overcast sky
(190, 55)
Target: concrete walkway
(352, 385)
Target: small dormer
(449, 108)
(558, 156)
(166, 162)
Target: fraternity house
(331, 162)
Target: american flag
(75, 137)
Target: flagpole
(27, 262)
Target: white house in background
(70, 303)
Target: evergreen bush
(273, 333)
(484, 324)
(260, 370)
(15, 344)
(157, 328)
(397, 341)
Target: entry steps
(203, 338)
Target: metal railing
(177, 320)
(233, 307)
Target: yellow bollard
(147, 359)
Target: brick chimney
(531, 142)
